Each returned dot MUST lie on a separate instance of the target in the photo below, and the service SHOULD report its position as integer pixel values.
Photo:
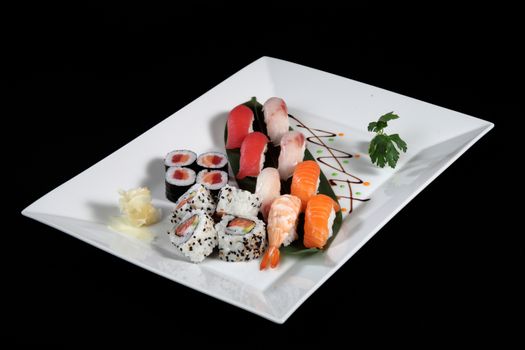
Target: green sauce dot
(342, 186)
(334, 174)
(358, 193)
(319, 151)
(330, 139)
(346, 161)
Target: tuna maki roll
(178, 181)
(213, 180)
(181, 158)
(197, 197)
(194, 237)
(240, 238)
(213, 161)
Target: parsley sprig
(382, 148)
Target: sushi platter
(285, 206)
(267, 192)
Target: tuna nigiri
(268, 188)
(253, 149)
(305, 181)
(292, 152)
(282, 222)
(276, 119)
(240, 124)
(318, 220)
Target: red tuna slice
(252, 149)
(212, 178)
(240, 122)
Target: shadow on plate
(362, 147)
(102, 212)
(217, 125)
(154, 178)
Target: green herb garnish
(382, 148)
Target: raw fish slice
(318, 220)
(240, 124)
(292, 152)
(276, 119)
(252, 155)
(305, 181)
(268, 188)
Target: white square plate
(435, 136)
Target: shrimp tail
(272, 256)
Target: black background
(82, 82)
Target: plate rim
(41, 217)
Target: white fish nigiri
(292, 152)
(268, 188)
(276, 119)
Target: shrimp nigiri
(276, 119)
(292, 152)
(305, 181)
(318, 220)
(282, 222)
(268, 188)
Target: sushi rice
(195, 235)
(213, 160)
(213, 180)
(240, 238)
(180, 158)
(234, 201)
(197, 197)
(330, 225)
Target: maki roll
(240, 238)
(178, 181)
(195, 237)
(197, 197)
(237, 202)
(213, 180)
(180, 158)
(213, 160)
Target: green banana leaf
(272, 156)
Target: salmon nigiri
(318, 220)
(282, 222)
(276, 119)
(253, 149)
(305, 181)
(268, 188)
(240, 124)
